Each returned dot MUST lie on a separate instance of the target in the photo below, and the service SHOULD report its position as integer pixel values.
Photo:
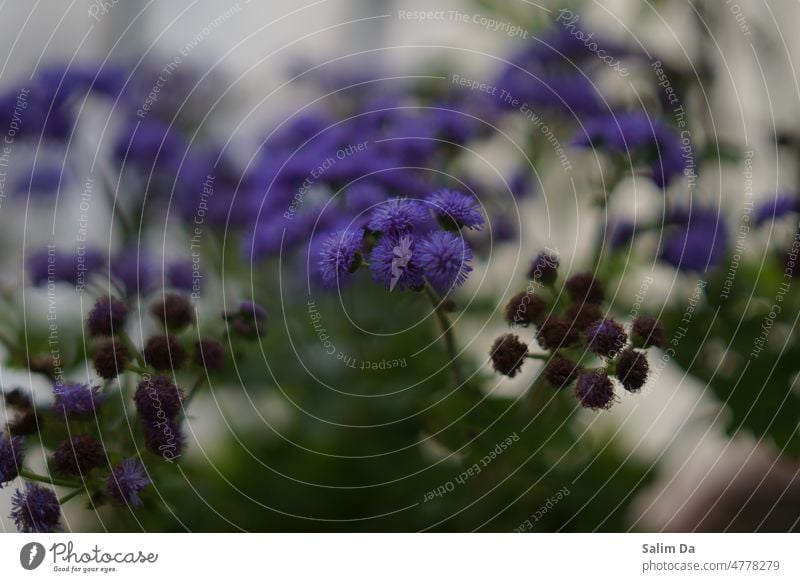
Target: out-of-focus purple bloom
(361, 197)
(445, 258)
(181, 275)
(77, 400)
(621, 233)
(642, 139)
(398, 215)
(696, 240)
(395, 264)
(126, 481)
(134, 270)
(151, 146)
(521, 183)
(11, 455)
(777, 207)
(456, 208)
(36, 510)
(339, 255)
(42, 180)
(248, 320)
(49, 264)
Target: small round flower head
(544, 268)
(163, 438)
(339, 256)
(524, 309)
(583, 315)
(164, 352)
(174, 311)
(584, 288)
(158, 398)
(17, 398)
(78, 456)
(11, 455)
(395, 263)
(445, 259)
(76, 400)
(556, 333)
(125, 482)
(208, 354)
(455, 210)
(561, 372)
(595, 390)
(647, 332)
(508, 354)
(248, 320)
(36, 510)
(110, 358)
(632, 370)
(44, 365)
(26, 423)
(107, 317)
(398, 215)
(606, 338)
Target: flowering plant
(325, 291)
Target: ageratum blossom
(339, 255)
(35, 509)
(640, 138)
(695, 240)
(445, 259)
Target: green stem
(447, 332)
(198, 383)
(544, 357)
(70, 495)
(132, 348)
(138, 370)
(31, 476)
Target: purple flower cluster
(410, 249)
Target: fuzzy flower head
(76, 400)
(445, 259)
(11, 455)
(454, 209)
(107, 317)
(508, 354)
(606, 338)
(698, 242)
(395, 263)
(339, 255)
(398, 215)
(595, 391)
(632, 370)
(36, 510)
(126, 481)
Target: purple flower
(395, 264)
(640, 137)
(398, 215)
(11, 455)
(125, 482)
(248, 320)
(36, 510)
(107, 316)
(339, 255)
(150, 145)
(49, 264)
(445, 258)
(777, 207)
(595, 390)
(454, 207)
(134, 270)
(696, 240)
(76, 399)
(181, 275)
(606, 338)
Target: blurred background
(665, 460)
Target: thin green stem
(138, 370)
(126, 339)
(544, 357)
(31, 476)
(198, 383)
(447, 331)
(62, 500)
